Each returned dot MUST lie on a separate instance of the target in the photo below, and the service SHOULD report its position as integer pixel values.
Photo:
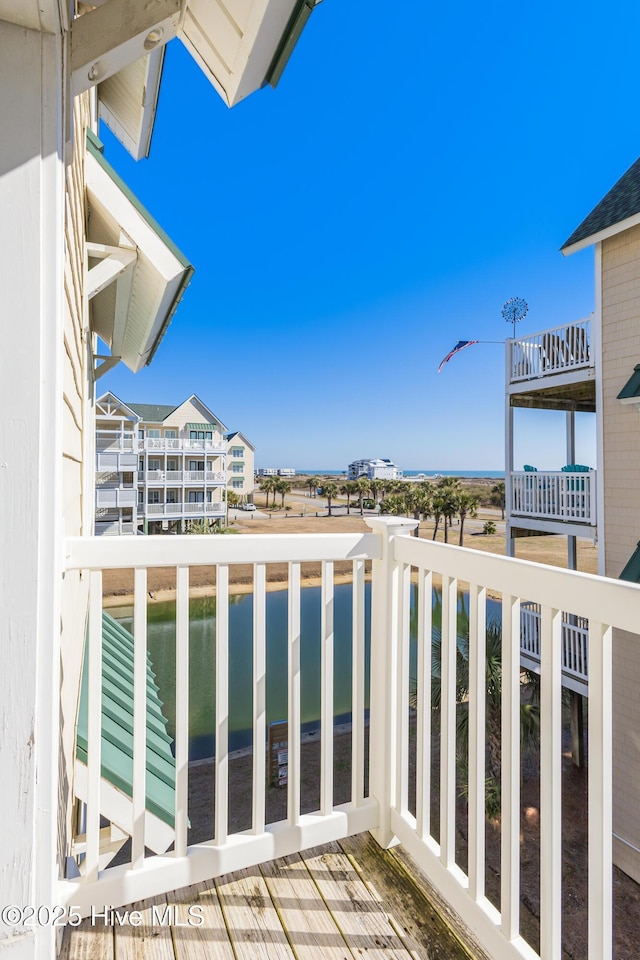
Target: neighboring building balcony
(557, 496)
(418, 593)
(115, 441)
(116, 497)
(114, 528)
(177, 443)
(173, 510)
(107, 460)
(208, 477)
(559, 350)
(574, 646)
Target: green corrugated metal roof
(117, 723)
(201, 426)
(620, 203)
(152, 412)
(631, 388)
(632, 570)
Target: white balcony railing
(116, 497)
(113, 528)
(208, 477)
(575, 645)
(115, 441)
(557, 350)
(177, 443)
(216, 509)
(388, 809)
(555, 495)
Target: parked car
(248, 506)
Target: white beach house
(377, 469)
(88, 768)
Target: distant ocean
(491, 474)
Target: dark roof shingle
(620, 203)
(153, 412)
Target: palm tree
(313, 483)
(376, 487)
(268, 485)
(467, 505)
(348, 489)
(448, 492)
(363, 486)
(329, 490)
(498, 496)
(282, 487)
(529, 707)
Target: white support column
(572, 556)
(383, 712)
(508, 452)
(31, 250)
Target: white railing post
(385, 623)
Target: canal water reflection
(202, 616)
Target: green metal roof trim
(290, 37)
(620, 203)
(202, 426)
(96, 149)
(117, 723)
(152, 412)
(632, 570)
(631, 388)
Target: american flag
(460, 345)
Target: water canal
(202, 615)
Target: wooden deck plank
(359, 915)
(208, 940)
(88, 941)
(251, 918)
(311, 929)
(149, 941)
(421, 928)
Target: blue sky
(415, 168)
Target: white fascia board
(235, 53)
(152, 251)
(117, 402)
(611, 231)
(206, 411)
(127, 103)
(129, 219)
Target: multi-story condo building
(275, 472)
(591, 365)
(240, 466)
(180, 469)
(382, 469)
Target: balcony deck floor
(340, 901)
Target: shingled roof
(152, 412)
(620, 204)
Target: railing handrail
(532, 474)
(93, 553)
(593, 596)
(549, 330)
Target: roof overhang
(136, 276)
(128, 100)
(601, 235)
(242, 49)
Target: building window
(172, 496)
(237, 484)
(141, 463)
(196, 464)
(171, 433)
(198, 496)
(153, 496)
(153, 433)
(172, 464)
(237, 468)
(154, 464)
(237, 451)
(200, 435)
